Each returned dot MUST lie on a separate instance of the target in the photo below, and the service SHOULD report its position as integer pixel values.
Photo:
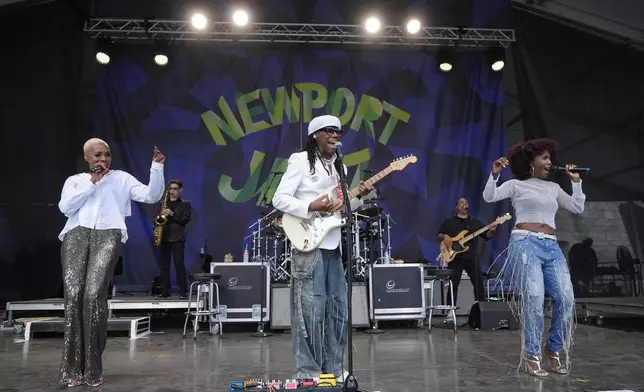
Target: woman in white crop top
(535, 263)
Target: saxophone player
(177, 213)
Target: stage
(404, 359)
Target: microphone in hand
(572, 169)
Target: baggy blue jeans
(318, 312)
(536, 266)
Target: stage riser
(136, 327)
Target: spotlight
(199, 21)
(413, 26)
(103, 46)
(496, 58)
(161, 52)
(240, 18)
(161, 59)
(102, 58)
(444, 59)
(372, 25)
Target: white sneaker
(340, 379)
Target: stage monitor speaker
(491, 316)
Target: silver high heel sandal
(554, 362)
(532, 366)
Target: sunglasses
(331, 131)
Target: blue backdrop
(226, 118)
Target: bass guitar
(448, 252)
(307, 234)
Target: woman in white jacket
(96, 204)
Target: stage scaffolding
(296, 33)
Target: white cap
(325, 121)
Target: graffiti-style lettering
(247, 114)
(314, 96)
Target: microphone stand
(350, 382)
(477, 266)
(261, 333)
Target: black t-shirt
(454, 225)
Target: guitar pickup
(305, 225)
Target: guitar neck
(382, 174)
(477, 232)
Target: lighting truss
(140, 29)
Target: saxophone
(160, 220)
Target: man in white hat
(319, 289)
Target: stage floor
(398, 360)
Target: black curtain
(587, 93)
(45, 82)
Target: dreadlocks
(312, 152)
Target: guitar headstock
(402, 162)
(503, 218)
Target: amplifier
(492, 315)
(281, 306)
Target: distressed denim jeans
(318, 313)
(537, 267)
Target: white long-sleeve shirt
(105, 205)
(298, 188)
(535, 200)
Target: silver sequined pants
(88, 258)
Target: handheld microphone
(338, 150)
(573, 170)
(96, 169)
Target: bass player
(318, 289)
(450, 228)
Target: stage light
(161, 52)
(372, 25)
(444, 59)
(161, 59)
(199, 21)
(103, 49)
(413, 26)
(496, 58)
(240, 17)
(102, 58)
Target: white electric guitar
(307, 234)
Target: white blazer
(299, 187)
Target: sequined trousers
(319, 313)
(88, 258)
(536, 266)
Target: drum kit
(271, 246)
(371, 232)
